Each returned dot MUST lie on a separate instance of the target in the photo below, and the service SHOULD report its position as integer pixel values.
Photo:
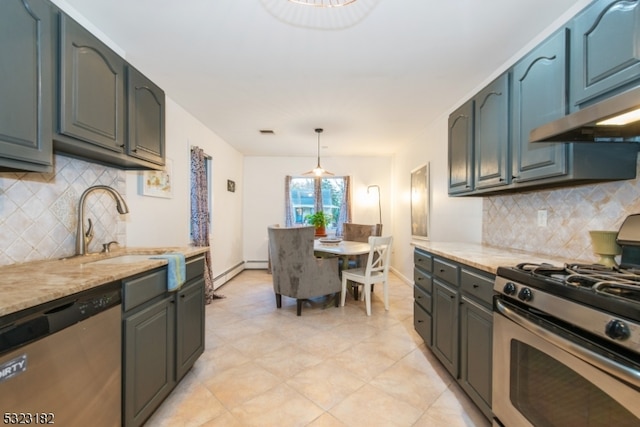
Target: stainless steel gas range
(566, 343)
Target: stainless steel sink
(122, 259)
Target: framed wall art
(420, 203)
(158, 183)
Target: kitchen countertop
(488, 258)
(28, 284)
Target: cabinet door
(604, 49)
(146, 118)
(26, 85)
(190, 326)
(461, 149)
(445, 326)
(92, 91)
(539, 96)
(491, 142)
(476, 341)
(148, 360)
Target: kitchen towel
(176, 270)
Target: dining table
(343, 249)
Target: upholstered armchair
(360, 232)
(297, 273)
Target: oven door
(542, 378)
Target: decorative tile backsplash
(38, 211)
(511, 221)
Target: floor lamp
(379, 203)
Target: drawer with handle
(423, 280)
(446, 271)
(422, 260)
(477, 286)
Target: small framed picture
(157, 183)
(231, 186)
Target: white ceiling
(373, 74)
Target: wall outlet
(542, 217)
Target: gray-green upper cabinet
(146, 118)
(92, 89)
(605, 52)
(26, 85)
(461, 149)
(491, 141)
(539, 91)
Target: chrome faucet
(84, 237)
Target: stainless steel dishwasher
(60, 362)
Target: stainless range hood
(592, 123)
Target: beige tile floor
(264, 366)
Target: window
(332, 197)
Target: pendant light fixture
(323, 3)
(318, 170)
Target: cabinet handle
(476, 286)
(442, 270)
(420, 321)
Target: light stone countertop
(488, 258)
(25, 285)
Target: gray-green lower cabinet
(445, 325)
(148, 359)
(476, 339)
(163, 336)
(189, 326)
(455, 301)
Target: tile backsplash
(511, 221)
(38, 211)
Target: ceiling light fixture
(318, 170)
(323, 3)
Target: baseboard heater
(229, 274)
(257, 264)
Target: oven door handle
(611, 367)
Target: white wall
(264, 194)
(452, 219)
(165, 222)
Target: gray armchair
(297, 273)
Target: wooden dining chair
(376, 271)
(358, 233)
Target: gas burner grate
(617, 282)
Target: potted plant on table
(319, 220)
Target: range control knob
(617, 330)
(525, 294)
(509, 288)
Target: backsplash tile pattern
(510, 221)
(38, 211)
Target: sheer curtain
(345, 203)
(200, 214)
(288, 206)
(345, 206)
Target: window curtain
(345, 206)
(288, 206)
(317, 193)
(200, 214)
